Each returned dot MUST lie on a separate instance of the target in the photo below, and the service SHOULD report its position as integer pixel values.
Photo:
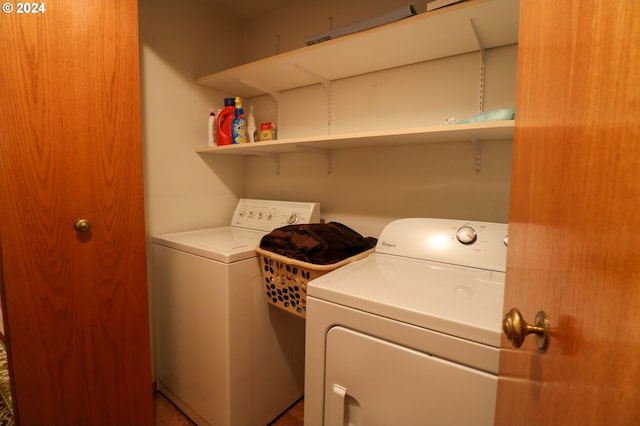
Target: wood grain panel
(575, 205)
(76, 303)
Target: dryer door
(375, 382)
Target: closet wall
(366, 187)
(178, 42)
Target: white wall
(180, 41)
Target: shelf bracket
(273, 157)
(482, 65)
(274, 93)
(325, 82)
(476, 142)
(324, 152)
(327, 86)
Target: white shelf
(465, 27)
(494, 130)
(427, 36)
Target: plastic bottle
(212, 129)
(225, 122)
(239, 130)
(252, 130)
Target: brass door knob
(516, 329)
(82, 225)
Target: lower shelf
(493, 130)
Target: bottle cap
(229, 102)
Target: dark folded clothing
(317, 243)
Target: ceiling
(248, 9)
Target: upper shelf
(461, 28)
(491, 130)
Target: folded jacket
(317, 243)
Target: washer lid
(225, 244)
(456, 300)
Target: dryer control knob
(293, 218)
(466, 235)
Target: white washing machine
(409, 335)
(222, 354)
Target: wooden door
(75, 302)
(575, 211)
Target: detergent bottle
(239, 131)
(225, 122)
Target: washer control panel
(267, 215)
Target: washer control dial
(293, 218)
(466, 235)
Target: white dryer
(409, 335)
(222, 354)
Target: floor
(168, 415)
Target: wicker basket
(286, 279)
